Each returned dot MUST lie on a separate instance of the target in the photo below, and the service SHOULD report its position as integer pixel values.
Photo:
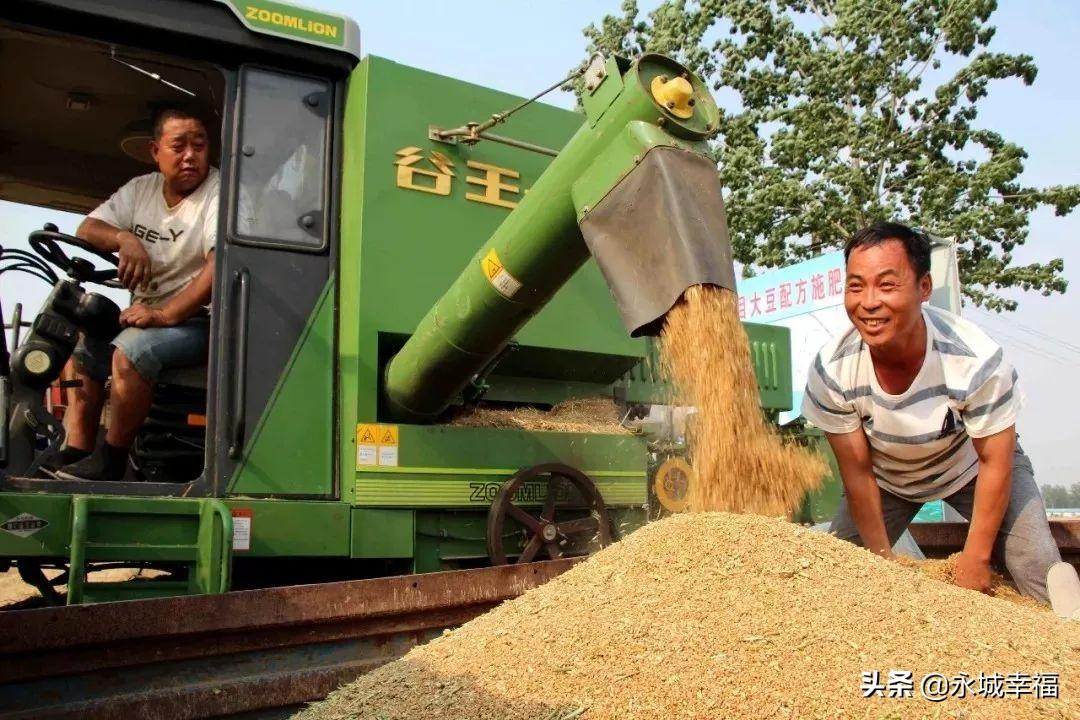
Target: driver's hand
(143, 316)
(134, 268)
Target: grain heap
(589, 415)
(740, 463)
(718, 615)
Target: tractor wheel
(542, 530)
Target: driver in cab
(163, 227)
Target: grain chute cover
(659, 231)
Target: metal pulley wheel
(543, 530)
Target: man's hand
(144, 316)
(972, 573)
(134, 269)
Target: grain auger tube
(634, 187)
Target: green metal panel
(821, 505)
(770, 352)
(196, 532)
(50, 540)
(278, 527)
(291, 449)
(357, 371)
(378, 533)
(441, 466)
(295, 528)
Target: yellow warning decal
(366, 434)
(388, 434)
(367, 448)
(499, 277)
(376, 445)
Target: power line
(1025, 345)
(1038, 333)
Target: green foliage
(1059, 496)
(831, 121)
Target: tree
(847, 111)
(1055, 496)
(1059, 496)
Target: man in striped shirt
(918, 405)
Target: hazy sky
(522, 47)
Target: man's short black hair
(916, 243)
(174, 113)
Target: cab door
(272, 392)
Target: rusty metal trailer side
(213, 655)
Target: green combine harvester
(385, 261)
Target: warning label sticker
(241, 529)
(367, 455)
(388, 435)
(24, 524)
(388, 455)
(376, 445)
(365, 434)
(499, 277)
(367, 448)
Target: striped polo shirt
(920, 440)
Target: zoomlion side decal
(298, 23)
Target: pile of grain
(587, 415)
(718, 615)
(740, 462)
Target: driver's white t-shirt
(177, 239)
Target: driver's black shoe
(66, 456)
(107, 464)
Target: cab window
(281, 160)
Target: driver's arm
(194, 296)
(178, 308)
(101, 234)
(134, 266)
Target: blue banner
(798, 289)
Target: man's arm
(134, 268)
(991, 501)
(852, 451)
(179, 307)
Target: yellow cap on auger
(676, 94)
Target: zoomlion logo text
(485, 492)
(291, 22)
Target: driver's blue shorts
(150, 350)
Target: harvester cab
(91, 80)
(355, 325)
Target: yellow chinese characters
(492, 183)
(435, 174)
(408, 173)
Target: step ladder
(194, 532)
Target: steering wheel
(44, 242)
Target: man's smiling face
(884, 295)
